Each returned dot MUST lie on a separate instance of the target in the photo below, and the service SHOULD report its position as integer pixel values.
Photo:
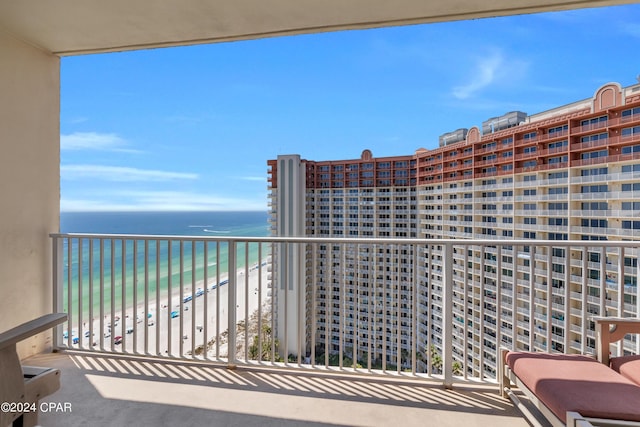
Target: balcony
(35, 35)
(114, 390)
(171, 299)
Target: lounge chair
(577, 390)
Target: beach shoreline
(155, 337)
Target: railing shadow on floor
(420, 393)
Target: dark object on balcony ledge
(21, 387)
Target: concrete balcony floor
(113, 390)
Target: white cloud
(94, 141)
(254, 178)
(162, 201)
(631, 29)
(492, 70)
(484, 74)
(120, 173)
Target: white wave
(217, 231)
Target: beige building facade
(571, 173)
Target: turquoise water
(116, 270)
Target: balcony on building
(110, 383)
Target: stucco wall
(29, 183)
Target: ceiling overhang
(72, 27)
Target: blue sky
(192, 128)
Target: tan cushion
(627, 366)
(577, 383)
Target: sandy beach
(194, 321)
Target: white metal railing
(369, 305)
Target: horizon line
(160, 210)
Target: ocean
(167, 223)
(82, 272)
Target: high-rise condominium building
(571, 173)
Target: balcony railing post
(58, 272)
(447, 315)
(232, 301)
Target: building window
(595, 188)
(556, 145)
(595, 171)
(558, 206)
(558, 129)
(594, 206)
(593, 138)
(632, 149)
(558, 175)
(595, 223)
(594, 154)
(627, 114)
(631, 187)
(557, 221)
(630, 131)
(631, 168)
(558, 236)
(557, 160)
(558, 190)
(631, 206)
(595, 122)
(631, 225)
